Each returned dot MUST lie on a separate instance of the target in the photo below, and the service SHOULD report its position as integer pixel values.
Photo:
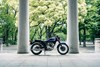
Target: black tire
(32, 48)
(62, 48)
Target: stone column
(23, 27)
(97, 45)
(72, 26)
(1, 45)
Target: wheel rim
(36, 49)
(62, 49)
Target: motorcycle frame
(43, 43)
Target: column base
(22, 52)
(74, 52)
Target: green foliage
(89, 29)
(62, 36)
(7, 22)
(47, 11)
(53, 15)
(48, 17)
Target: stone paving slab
(54, 60)
(86, 58)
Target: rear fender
(39, 41)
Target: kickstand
(44, 52)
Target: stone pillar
(72, 27)
(23, 27)
(97, 45)
(1, 45)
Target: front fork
(59, 41)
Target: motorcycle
(38, 46)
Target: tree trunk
(6, 35)
(40, 33)
(12, 38)
(34, 34)
(48, 34)
(84, 37)
(80, 40)
(15, 36)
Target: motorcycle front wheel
(62, 48)
(36, 48)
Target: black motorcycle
(38, 46)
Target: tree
(82, 14)
(7, 15)
(98, 19)
(53, 14)
(46, 18)
(91, 20)
(47, 13)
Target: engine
(50, 46)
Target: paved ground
(86, 58)
(69, 60)
(12, 49)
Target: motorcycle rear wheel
(35, 46)
(62, 48)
